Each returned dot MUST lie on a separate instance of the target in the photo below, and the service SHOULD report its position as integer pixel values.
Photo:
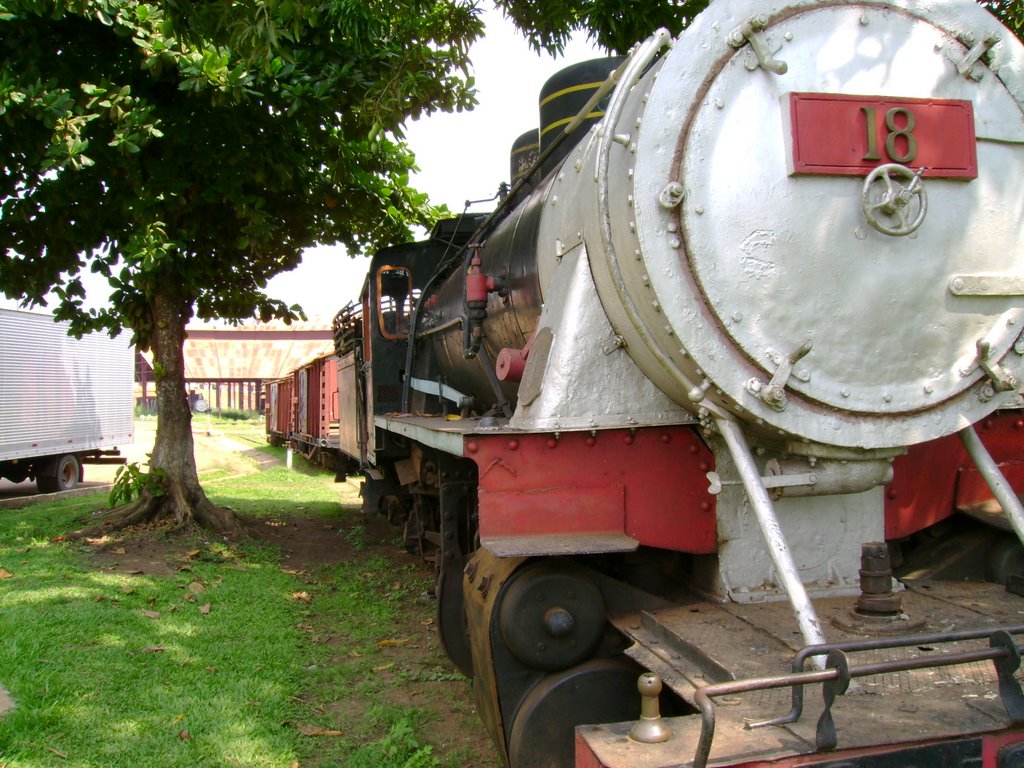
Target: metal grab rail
(877, 644)
(835, 678)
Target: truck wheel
(62, 475)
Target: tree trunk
(173, 459)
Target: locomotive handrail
(876, 644)
(1003, 652)
(1001, 489)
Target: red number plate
(842, 135)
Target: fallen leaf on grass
(184, 735)
(151, 614)
(383, 667)
(312, 730)
(5, 574)
(204, 609)
(196, 588)
(392, 642)
(193, 553)
(153, 649)
(300, 596)
(178, 718)
(119, 551)
(57, 753)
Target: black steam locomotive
(699, 423)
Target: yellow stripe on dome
(567, 120)
(571, 89)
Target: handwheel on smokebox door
(885, 201)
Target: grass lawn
(157, 650)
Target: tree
(1010, 12)
(617, 24)
(187, 152)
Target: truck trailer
(64, 402)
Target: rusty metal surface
(484, 576)
(700, 643)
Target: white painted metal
(774, 539)
(715, 268)
(571, 396)
(58, 394)
(755, 264)
(446, 436)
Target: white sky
(462, 156)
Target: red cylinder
(510, 364)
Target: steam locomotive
(699, 424)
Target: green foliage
(120, 670)
(613, 24)
(1010, 12)
(200, 147)
(130, 481)
(188, 152)
(235, 415)
(357, 537)
(617, 24)
(402, 746)
(113, 667)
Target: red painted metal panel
(607, 748)
(661, 471)
(286, 407)
(314, 398)
(548, 511)
(929, 481)
(851, 135)
(279, 407)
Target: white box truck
(64, 402)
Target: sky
(461, 156)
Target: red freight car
(279, 410)
(315, 400)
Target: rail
(347, 327)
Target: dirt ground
(308, 544)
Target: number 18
(895, 132)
